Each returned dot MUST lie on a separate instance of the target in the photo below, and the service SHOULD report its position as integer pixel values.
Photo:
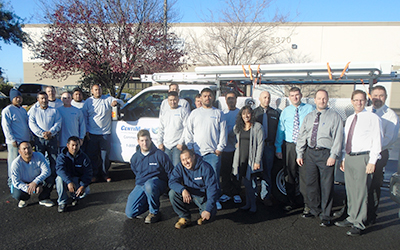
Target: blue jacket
(155, 164)
(68, 167)
(200, 181)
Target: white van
(142, 112)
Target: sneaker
(237, 199)
(343, 223)
(22, 204)
(152, 218)
(224, 198)
(354, 231)
(62, 208)
(108, 179)
(219, 206)
(74, 202)
(182, 223)
(46, 203)
(200, 221)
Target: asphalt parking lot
(99, 222)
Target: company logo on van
(154, 130)
(126, 128)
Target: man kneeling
(193, 180)
(151, 167)
(74, 174)
(28, 172)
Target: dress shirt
(22, 173)
(367, 134)
(390, 125)
(285, 126)
(329, 135)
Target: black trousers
(319, 181)
(230, 185)
(374, 191)
(294, 176)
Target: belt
(359, 153)
(319, 149)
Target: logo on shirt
(214, 117)
(78, 166)
(153, 163)
(198, 178)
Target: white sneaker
(237, 199)
(219, 206)
(22, 204)
(46, 203)
(224, 198)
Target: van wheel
(278, 182)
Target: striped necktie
(296, 125)
(313, 141)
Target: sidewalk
(3, 155)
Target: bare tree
(241, 34)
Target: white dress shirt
(390, 125)
(367, 134)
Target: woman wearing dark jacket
(247, 159)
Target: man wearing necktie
(390, 130)
(318, 146)
(363, 135)
(269, 118)
(285, 145)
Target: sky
(195, 11)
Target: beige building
(301, 42)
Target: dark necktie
(265, 123)
(296, 126)
(350, 135)
(313, 141)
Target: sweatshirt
(200, 181)
(14, 121)
(172, 124)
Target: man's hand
(300, 161)
(370, 168)
(187, 198)
(278, 155)
(217, 152)
(15, 144)
(32, 187)
(330, 162)
(256, 166)
(80, 191)
(71, 187)
(342, 166)
(114, 103)
(39, 189)
(80, 142)
(161, 147)
(205, 215)
(179, 146)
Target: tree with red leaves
(107, 41)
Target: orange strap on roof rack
(244, 71)
(366, 91)
(259, 73)
(250, 73)
(329, 71)
(344, 70)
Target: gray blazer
(255, 151)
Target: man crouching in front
(193, 180)
(151, 167)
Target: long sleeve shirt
(22, 173)
(42, 120)
(172, 125)
(367, 135)
(330, 133)
(97, 112)
(73, 124)
(200, 181)
(182, 102)
(390, 125)
(285, 126)
(14, 121)
(230, 118)
(206, 131)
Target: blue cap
(14, 93)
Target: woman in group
(248, 154)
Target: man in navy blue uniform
(151, 167)
(74, 172)
(193, 180)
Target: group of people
(72, 133)
(240, 147)
(203, 156)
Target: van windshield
(146, 105)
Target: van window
(146, 105)
(189, 96)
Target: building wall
(316, 42)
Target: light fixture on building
(294, 46)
